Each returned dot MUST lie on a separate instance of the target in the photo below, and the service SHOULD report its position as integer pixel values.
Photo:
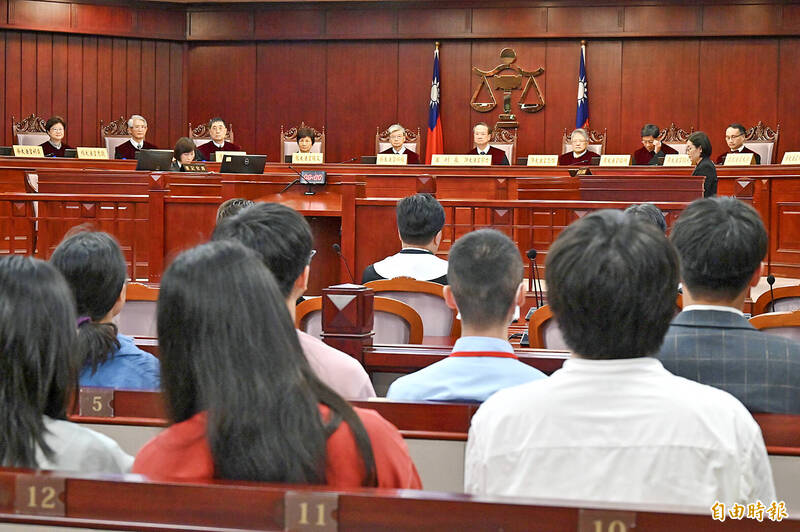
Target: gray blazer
(723, 350)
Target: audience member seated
(232, 207)
(648, 212)
(612, 425)
(218, 129)
(481, 135)
(397, 136)
(721, 242)
(94, 267)
(486, 286)
(244, 402)
(137, 127)
(652, 148)
(734, 136)
(420, 219)
(282, 237)
(184, 153)
(580, 154)
(698, 148)
(305, 139)
(37, 334)
(55, 145)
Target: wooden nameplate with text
(542, 160)
(739, 159)
(392, 159)
(28, 151)
(615, 160)
(92, 153)
(441, 159)
(307, 158)
(677, 159)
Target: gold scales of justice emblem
(507, 82)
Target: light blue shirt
(471, 379)
(128, 367)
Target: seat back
(138, 315)
(200, 134)
(786, 324)
(426, 298)
(787, 299)
(543, 331)
(29, 131)
(411, 141)
(114, 134)
(764, 141)
(675, 137)
(597, 141)
(289, 140)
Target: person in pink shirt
(283, 239)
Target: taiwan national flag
(582, 114)
(435, 142)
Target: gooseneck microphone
(770, 282)
(534, 280)
(338, 249)
(350, 160)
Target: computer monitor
(160, 160)
(71, 153)
(243, 164)
(6, 150)
(369, 159)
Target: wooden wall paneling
(104, 67)
(90, 118)
(579, 21)
(788, 82)
(27, 79)
(291, 87)
(667, 20)
(60, 81)
(513, 21)
(659, 86)
(603, 70)
(35, 14)
(164, 23)
(359, 97)
(223, 25)
(414, 87)
(5, 129)
(147, 81)
(44, 74)
(161, 124)
(177, 102)
(561, 90)
(738, 83)
(456, 91)
(377, 225)
(530, 56)
(747, 19)
(361, 22)
(790, 18)
(291, 23)
(103, 19)
(75, 95)
(133, 87)
(118, 79)
(4, 11)
(434, 22)
(13, 63)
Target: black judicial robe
(642, 156)
(127, 150)
(745, 149)
(498, 155)
(707, 169)
(569, 159)
(51, 151)
(205, 152)
(413, 158)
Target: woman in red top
(243, 399)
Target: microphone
(290, 185)
(338, 249)
(770, 282)
(534, 278)
(350, 160)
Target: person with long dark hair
(94, 267)
(38, 367)
(243, 400)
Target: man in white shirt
(613, 425)
(734, 137)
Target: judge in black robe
(55, 146)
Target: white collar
(714, 307)
(484, 151)
(137, 145)
(740, 148)
(581, 154)
(219, 145)
(53, 144)
(402, 150)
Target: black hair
(611, 284)
(701, 140)
(279, 234)
(738, 126)
(306, 132)
(721, 242)
(215, 120)
(184, 145)
(53, 120)
(648, 213)
(651, 130)
(419, 218)
(233, 206)
(482, 124)
(93, 265)
(229, 347)
(484, 269)
(37, 357)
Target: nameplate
(310, 511)
(195, 167)
(95, 402)
(39, 494)
(677, 159)
(441, 159)
(28, 151)
(542, 160)
(739, 159)
(218, 155)
(92, 153)
(307, 158)
(606, 521)
(791, 157)
(392, 159)
(615, 160)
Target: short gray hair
(136, 117)
(396, 127)
(580, 131)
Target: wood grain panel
(147, 82)
(91, 18)
(662, 19)
(3, 12)
(580, 20)
(28, 73)
(368, 22)
(725, 96)
(454, 61)
(414, 87)
(528, 21)
(105, 65)
(75, 93)
(603, 70)
(560, 91)
(177, 102)
(37, 14)
(4, 130)
(60, 73)
(118, 76)
(350, 92)
(133, 88)
(788, 82)
(659, 86)
(295, 75)
(161, 129)
(433, 21)
(167, 23)
(220, 25)
(790, 19)
(747, 19)
(89, 69)
(270, 24)
(44, 74)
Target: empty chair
(786, 324)
(138, 316)
(426, 298)
(543, 331)
(786, 299)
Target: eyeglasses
(311, 255)
(731, 137)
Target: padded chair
(138, 316)
(786, 324)
(411, 142)
(597, 141)
(426, 298)
(506, 140)
(543, 331)
(394, 323)
(764, 141)
(289, 141)
(787, 299)
(200, 134)
(114, 134)
(29, 131)
(675, 137)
